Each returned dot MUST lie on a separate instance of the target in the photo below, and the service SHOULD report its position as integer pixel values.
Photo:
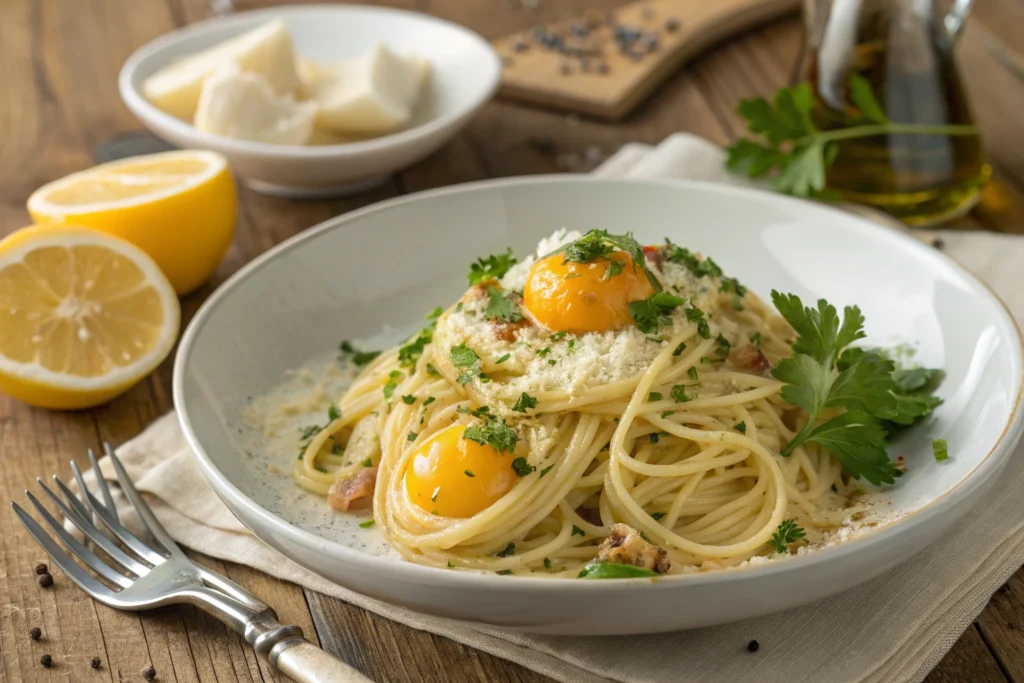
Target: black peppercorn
(149, 673)
(95, 663)
(46, 580)
(42, 569)
(36, 633)
(753, 646)
(46, 660)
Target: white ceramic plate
(384, 266)
(465, 71)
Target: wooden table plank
(63, 50)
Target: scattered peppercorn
(939, 243)
(95, 663)
(46, 580)
(672, 25)
(42, 569)
(36, 633)
(149, 673)
(46, 660)
(753, 646)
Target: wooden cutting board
(605, 64)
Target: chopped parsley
(741, 427)
(543, 352)
(692, 374)
(483, 412)
(500, 307)
(787, 533)
(756, 340)
(613, 570)
(366, 525)
(464, 357)
(521, 467)
(940, 450)
(599, 244)
(503, 359)
(450, 565)
(667, 413)
(310, 431)
(494, 433)
(368, 462)
(655, 437)
(410, 352)
(679, 349)
(723, 346)
(576, 531)
(545, 470)
(510, 549)
(696, 315)
(570, 346)
(732, 285)
(359, 358)
(657, 515)
(468, 473)
(558, 335)
(504, 572)
(654, 396)
(547, 563)
(412, 436)
(684, 257)
(651, 313)
(491, 268)
(614, 268)
(408, 399)
(525, 402)
(320, 469)
(427, 401)
(394, 377)
(432, 370)
(679, 394)
(333, 413)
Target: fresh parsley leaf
(693, 374)
(468, 473)
(503, 572)
(545, 470)
(723, 346)
(788, 532)
(651, 313)
(940, 450)
(493, 267)
(359, 358)
(679, 349)
(333, 413)
(408, 399)
(679, 394)
(696, 315)
(493, 432)
(558, 335)
(858, 441)
(367, 462)
(741, 427)
(309, 432)
(657, 515)
(521, 467)
(410, 352)
(431, 370)
(654, 396)
(412, 436)
(684, 257)
(525, 403)
(576, 531)
(732, 285)
(428, 400)
(503, 359)
(394, 377)
(599, 244)
(914, 379)
(864, 99)
(614, 268)
(756, 340)
(464, 357)
(820, 334)
(510, 549)
(500, 307)
(547, 563)
(613, 570)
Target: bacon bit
(506, 332)
(625, 546)
(750, 359)
(654, 255)
(353, 492)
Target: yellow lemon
(178, 207)
(83, 316)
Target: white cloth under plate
(894, 628)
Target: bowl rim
(423, 575)
(147, 112)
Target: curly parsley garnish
(787, 533)
(599, 244)
(491, 268)
(651, 313)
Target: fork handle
(306, 663)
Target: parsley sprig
(651, 313)
(823, 376)
(500, 307)
(797, 151)
(787, 533)
(491, 268)
(493, 432)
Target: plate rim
(423, 575)
(145, 111)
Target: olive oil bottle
(927, 165)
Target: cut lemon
(83, 316)
(178, 207)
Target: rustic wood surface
(59, 102)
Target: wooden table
(59, 101)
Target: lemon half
(83, 316)
(178, 207)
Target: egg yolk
(584, 297)
(455, 477)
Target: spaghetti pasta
(499, 443)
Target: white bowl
(384, 266)
(465, 71)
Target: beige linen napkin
(894, 628)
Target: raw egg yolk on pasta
(585, 297)
(455, 477)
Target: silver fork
(137, 575)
